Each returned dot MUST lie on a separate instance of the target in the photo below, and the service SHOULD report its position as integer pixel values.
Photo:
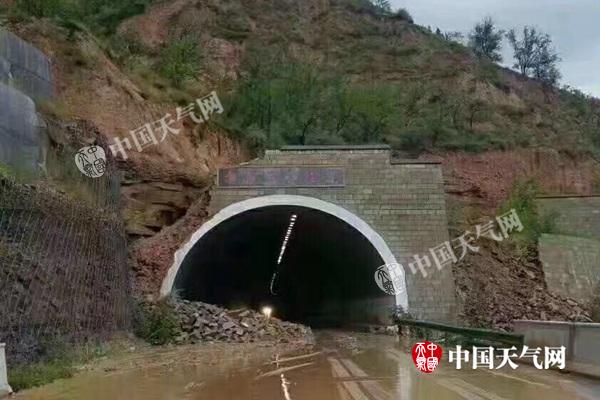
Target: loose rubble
(201, 322)
(497, 287)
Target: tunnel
(324, 277)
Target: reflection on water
(378, 368)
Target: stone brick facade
(403, 201)
(573, 216)
(571, 255)
(571, 265)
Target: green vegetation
(402, 13)
(383, 6)
(6, 171)
(27, 376)
(180, 61)
(381, 82)
(40, 8)
(486, 40)
(156, 323)
(522, 198)
(535, 57)
(285, 101)
(56, 359)
(102, 16)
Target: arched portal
(272, 208)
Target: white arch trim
(286, 200)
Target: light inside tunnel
(287, 237)
(325, 278)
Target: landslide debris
(200, 322)
(497, 287)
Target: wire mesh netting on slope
(63, 263)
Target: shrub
(180, 61)
(522, 198)
(361, 6)
(40, 8)
(6, 171)
(54, 358)
(156, 323)
(101, 15)
(413, 141)
(27, 376)
(404, 15)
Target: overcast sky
(574, 26)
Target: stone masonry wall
(571, 265)
(403, 202)
(575, 216)
(571, 255)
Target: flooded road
(341, 366)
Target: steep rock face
(153, 256)
(153, 205)
(486, 179)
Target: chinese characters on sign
(153, 133)
(281, 177)
(426, 356)
(491, 358)
(390, 277)
(91, 161)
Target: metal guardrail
(475, 333)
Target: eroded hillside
(313, 72)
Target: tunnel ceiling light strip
(288, 233)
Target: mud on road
(340, 366)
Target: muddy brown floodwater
(340, 366)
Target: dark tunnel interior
(326, 269)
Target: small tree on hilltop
(486, 40)
(535, 56)
(402, 13)
(382, 6)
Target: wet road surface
(342, 366)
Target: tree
(382, 6)
(486, 40)
(403, 14)
(535, 57)
(453, 36)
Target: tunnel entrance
(325, 275)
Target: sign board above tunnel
(270, 177)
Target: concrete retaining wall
(581, 340)
(25, 67)
(20, 130)
(571, 265)
(4, 388)
(574, 216)
(25, 76)
(571, 254)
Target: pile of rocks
(200, 322)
